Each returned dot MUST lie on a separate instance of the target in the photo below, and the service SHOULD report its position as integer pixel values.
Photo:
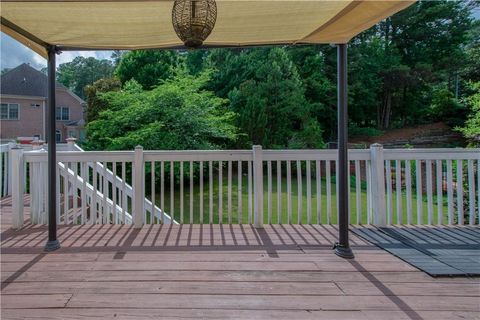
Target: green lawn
(326, 215)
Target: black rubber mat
(438, 251)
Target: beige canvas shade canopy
(141, 24)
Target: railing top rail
(317, 154)
(82, 156)
(247, 155)
(198, 155)
(432, 154)
(4, 147)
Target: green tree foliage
(81, 72)
(94, 104)
(177, 114)
(471, 131)
(414, 67)
(266, 91)
(147, 67)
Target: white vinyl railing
(386, 186)
(6, 165)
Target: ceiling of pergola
(141, 24)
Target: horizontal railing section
(397, 186)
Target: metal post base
(342, 251)
(52, 245)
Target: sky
(12, 53)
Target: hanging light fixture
(193, 20)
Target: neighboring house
(23, 96)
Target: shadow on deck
(215, 271)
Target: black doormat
(438, 251)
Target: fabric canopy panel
(141, 24)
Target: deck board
(216, 272)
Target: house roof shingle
(25, 80)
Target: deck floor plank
(216, 272)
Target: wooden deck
(221, 272)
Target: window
(9, 111)
(58, 136)
(62, 113)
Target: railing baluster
(162, 190)
(309, 192)
(220, 192)
(418, 177)
(428, 164)
(65, 194)
(450, 191)
(172, 191)
(368, 174)
(201, 192)
(105, 194)
(279, 191)
(85, 174)
(250, 198)
(299, 192)
(460, 192)
(478, 190)
(152, 187)
(439, 178)
(93, 207)
(349, 187)
(388, 176)
(269, 191)
(33, 198)
(408, 185)
(191, 192)
(398, 183)
(358, 192)
(240, 197)
(124, 193)
(329, 191)
(75, 192)
(3, 177)
(335, 162)
(210, 192)
(181, 192)
(318, 179)
(114, 193)
(289, 192)
(229, 199)
(471, 193)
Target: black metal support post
(342, 247)
(52, 243)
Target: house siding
(31, 120)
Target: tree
(177, 114)
(80, 72)
(471, 130)
(94, 104)
(271, 102)
(147, 67)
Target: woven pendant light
(193, 20)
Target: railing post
(36, 186)
(378, 185)
(16, 159)
(71, 144)
(258, 186)
(138, 187)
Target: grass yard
(299, 213)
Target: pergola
(50, 27)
